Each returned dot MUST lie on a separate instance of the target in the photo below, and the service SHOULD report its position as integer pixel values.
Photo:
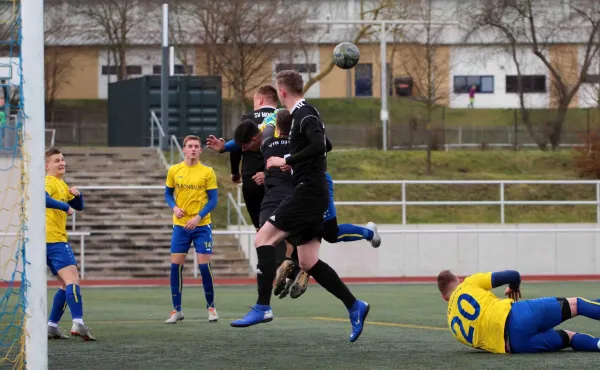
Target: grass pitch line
(315, 318)
(379, 323)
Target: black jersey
(308, 146)
(253, 161)
(274, 176)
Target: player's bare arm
(216, 144)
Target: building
(460, 56)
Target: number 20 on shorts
(456, 320)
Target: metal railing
(241, 221)
(448, 147)
(156, 131)
(501, 191)
(174, 144)
(243, 228)
(249, 233)
(52, 132)
(81, 235)
(156, 125)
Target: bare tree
(115, 23)
(425, 62)
(378, 10)
(9, 25)
(57, 60)
(528, 22)
(242, 39)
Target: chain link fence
(408, 129)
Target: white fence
(462, 237)
(81, 236)
(501, 193)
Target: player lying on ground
(265, 101)
(299, 218)
(289, 278)
(60, 202)
(479, 319)
(191, 192)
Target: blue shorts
(58, 256)
(530, 326)
(330, 213)
(182, 239)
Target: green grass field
(459, 165)
(406, 330)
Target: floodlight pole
(164, 79)
(384, 113)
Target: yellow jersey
(191, 184)
(56, 219)
(476, 317)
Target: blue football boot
(257, 315)
(358, 315)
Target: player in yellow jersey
(60, 202)
(477, 318)
(191, 192)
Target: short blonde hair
(52, 151)
(190, 138)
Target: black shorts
(301, 213)
(273, 198)
(253, 196)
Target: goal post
(33, 115)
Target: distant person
(472, 90)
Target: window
(363, 79)
(530, 84)
(591, 79)
(483, 84)
(300, 68)
(177, 69)
(131, 70)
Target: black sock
(264, 278)
(329, 279)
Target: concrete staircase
(131, 229)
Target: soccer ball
(346, 55)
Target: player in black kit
(252, 178)
(299, 218)
(272, 137)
